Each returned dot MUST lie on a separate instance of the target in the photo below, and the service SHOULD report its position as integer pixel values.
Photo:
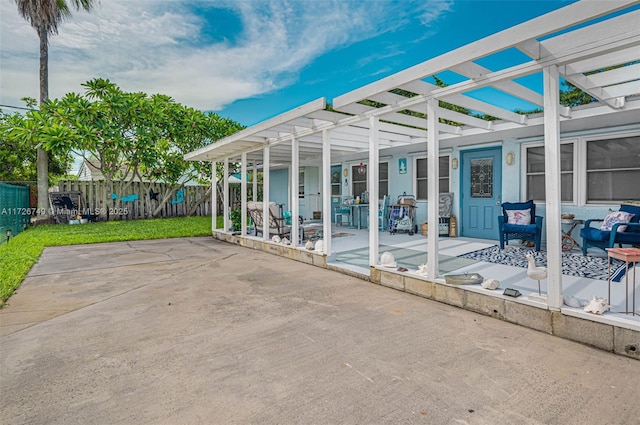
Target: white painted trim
(225, 195)
(373, 184)
(266, 181)
(295, 200)
(214, 196)
(243, 195)
(326, 191)
(552, 177)
(433, 268)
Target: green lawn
(21, 252)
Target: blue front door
(481, 186)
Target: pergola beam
(475, 72)
(554, 21)
(618, 57)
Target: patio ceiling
(607, 36)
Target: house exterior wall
(513, 178)
(278, 188)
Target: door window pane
(482, 178)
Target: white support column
(255, 181)
(326, 192)
(225, 195)
(214, 195)
(243, 194)
(295, 170)
(373, 188)
(265, 189)
(552, 185)
(432, 188)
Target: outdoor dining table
(356, 214)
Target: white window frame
(576, 148)
(366, 164)
(380, 195)
(301, 184)
(583, 163)
(414, 173)
(579, 165)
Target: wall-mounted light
(511, 158)
(454, 163)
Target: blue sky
(248, 60)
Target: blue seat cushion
(628, 237)
(593, 234)
(519, 228)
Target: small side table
(628, 255)
(567, 240)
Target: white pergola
(585, 43)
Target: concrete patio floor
(196, 330)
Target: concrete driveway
(196, 331)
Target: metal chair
(341, 213)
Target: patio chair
(342, 212)
(519, 221)
(276, 223)
(619, 227)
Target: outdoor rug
(409, 258)
(572, 264)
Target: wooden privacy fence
(132, 200)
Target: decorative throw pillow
(519, 217)
(616, 217)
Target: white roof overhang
(608, 37)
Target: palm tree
(44, 16)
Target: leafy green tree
(18, 155)
(45, 16)
(128, 136)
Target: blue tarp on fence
(14, 209)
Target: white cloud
(151, 46)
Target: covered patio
(593, 45)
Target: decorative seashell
(319, 245)
(276, 239)
(387, 260)
(309, 245)
(597, 305)
(286, 241)
(490, 284)
(572, 301)
(422, 269)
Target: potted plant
(236, 220)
